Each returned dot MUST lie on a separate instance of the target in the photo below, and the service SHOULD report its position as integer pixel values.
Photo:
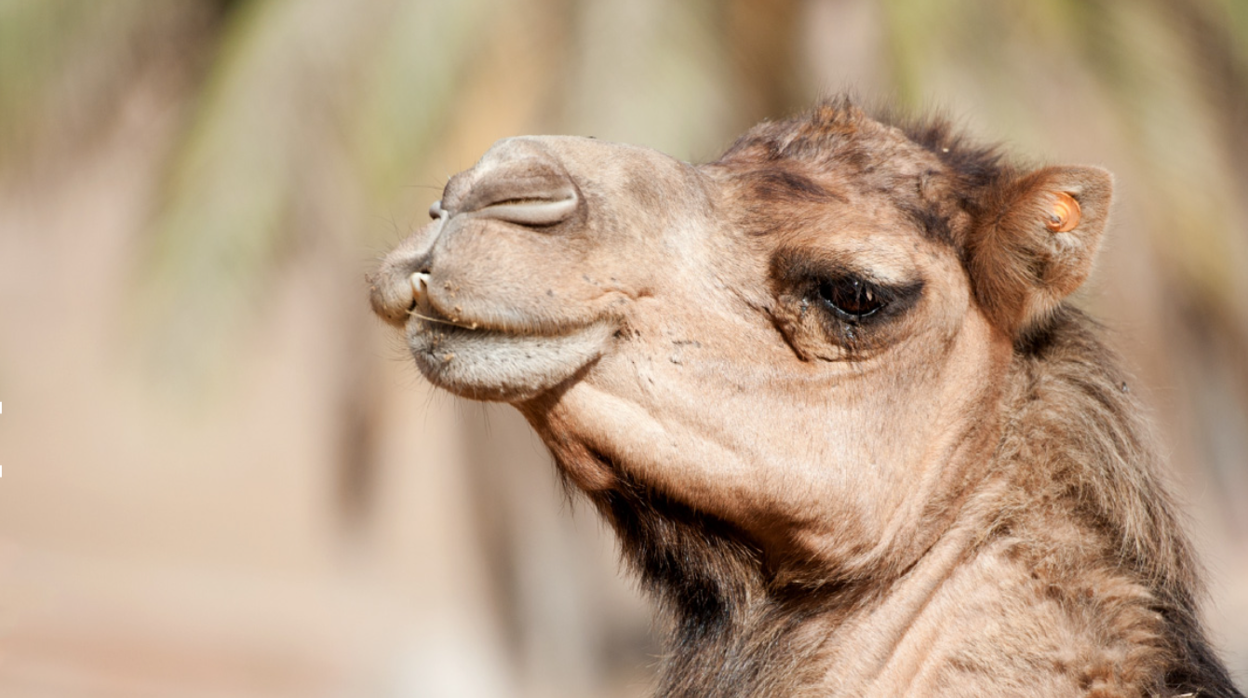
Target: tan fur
(827, 392)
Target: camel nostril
(539, 209)
(516, 182)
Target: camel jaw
(498, 365)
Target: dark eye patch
(852, 302)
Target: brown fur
(953, 495)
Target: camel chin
(494, 365)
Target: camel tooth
(420, 290)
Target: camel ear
(1035, 243)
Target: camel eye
(851, 297)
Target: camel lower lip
(487, 364)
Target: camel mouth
(423, 307)
(488, 351)
(502, 363)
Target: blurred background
(222, 477)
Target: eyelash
(852, 298)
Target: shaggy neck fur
(1072, 451)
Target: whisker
(442, 321)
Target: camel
(829, 393)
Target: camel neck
(733, 632)
(885, 647)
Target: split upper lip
(422, 308)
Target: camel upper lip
(426, 308)
(429, 313)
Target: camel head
(828, 394)
(805, 340)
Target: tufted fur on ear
(1035, 242)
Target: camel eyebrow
(930, 222)
(793, 266)
(778, 183)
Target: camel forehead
(836, 138)
(914, 177)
